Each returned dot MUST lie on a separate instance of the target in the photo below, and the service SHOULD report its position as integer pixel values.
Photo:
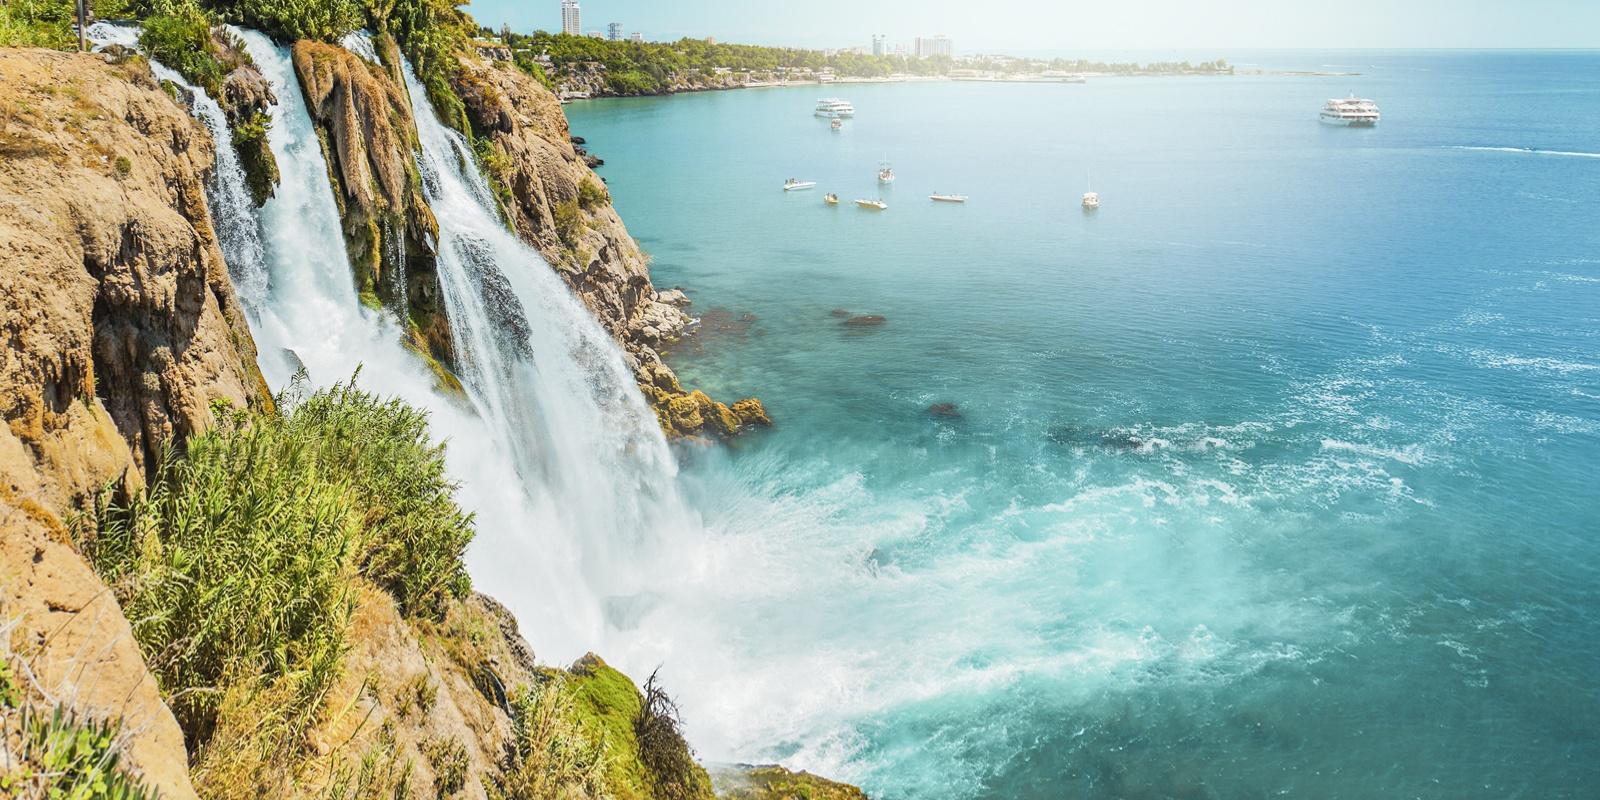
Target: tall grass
(238, 565)
(550, 754)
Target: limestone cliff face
(120, 331)
(557, 203)
(362, 113)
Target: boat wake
(1532, 151)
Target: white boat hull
(1348, 122)
(871, 206)
(800, 187)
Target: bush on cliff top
(178, 34)
(238, 565)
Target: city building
(638, 37)
(877, 44)
(614, 31)
(571, 18)
(933, 46)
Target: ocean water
(1277, 476)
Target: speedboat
(793, 185)
(831, 199)
(947, 198)
(885, 173)
(875, 205)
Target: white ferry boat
(835, 107)
(1351, 112)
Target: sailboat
(1091, 198)
(885, 173)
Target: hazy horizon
(1042, 25)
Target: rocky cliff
(121, 331)
(364, 120)
(559, 205)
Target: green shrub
(663, 749)
(288, 20)
(632, 82)
(178, 35)
(57, 754)
(238, 563)
(34, 23)
(568, 224)
(551, 755)
(448, 757)
(591, 195)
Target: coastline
(1076, 80)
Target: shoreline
(1078, 80)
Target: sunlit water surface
(1279, 475)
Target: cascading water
(556, 389)
(233, 216)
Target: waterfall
(529, 500)
(556, 388)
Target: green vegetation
(569, 225)
(591, 195)
(178, 34)
(550, 755)
(662, 748)
(632, 68)
(288, 20)
(55, 754)
(238, 565)
(52, 23)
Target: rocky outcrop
(555, 202)
(772, 782)
(365, 121)
(245, 97)
(120, 333)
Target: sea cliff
(211, 591)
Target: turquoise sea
(1277, 476)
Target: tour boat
(835, 107)
(885, 173)
(875, 205)
(793, 185)
(831, 199)
(947, 198)
(1351, 112)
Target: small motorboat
(885, 173)
(1091, 201)
(793, 185)
(875, 205)
(836, 124)
(831, 199)
(947, 198)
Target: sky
(1062, 25)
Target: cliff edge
(558, 204)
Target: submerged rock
(839, 312)
(944, 411)
(865, 321)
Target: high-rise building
(571, 18)
(638, 37)
(614, 31)
(877, 44)
(935, 46)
